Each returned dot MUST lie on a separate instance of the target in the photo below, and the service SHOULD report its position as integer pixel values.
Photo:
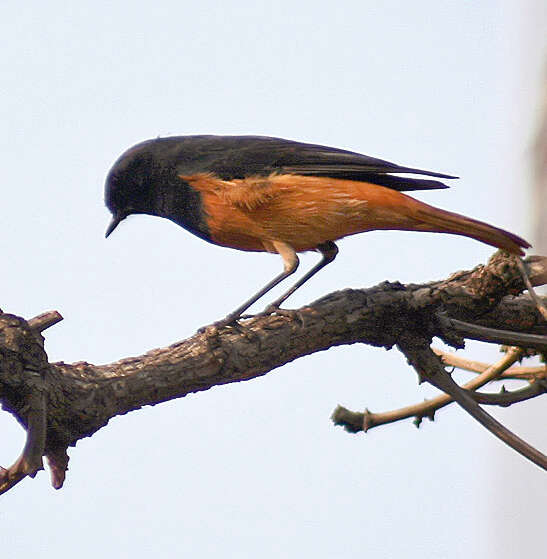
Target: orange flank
(307, 211)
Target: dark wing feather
(235, 157)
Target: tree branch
(357, 421)
(81, 398)
(29, 403)
(515, 373)
(494, 335)
(535, 297)
(508, 398)
(429, 367)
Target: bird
(266, 194)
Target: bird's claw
(270, 309)
(232, 321)
(227, 322)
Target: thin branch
(355, 421)
(517, 314)
(507, 398)
(535, 267)
(514, 373)
(45, 320)
(539, 303)
(493, 335)
(428, 367)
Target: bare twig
(429, 367)
(355, 421)
(515, 373)
(535, 267)
(507, 398)
(45, 320)
(493, 335)
(539, 303)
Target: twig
(507, 398)
(45, 320)
(493, 335)
(514, 373)
(536, 269)
(429, 367)
(355, 421)
(539, 303)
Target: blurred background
(257, 468)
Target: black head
(147, 179)
(133, 184)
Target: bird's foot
(274, 309)
(230, 321)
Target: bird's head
(130, 184)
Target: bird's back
(238, 157)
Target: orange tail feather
(449, 222)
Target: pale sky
(257, 469)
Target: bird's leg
(290, 264)
(329, 251)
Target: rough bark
(78, 399)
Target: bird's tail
(442, 221)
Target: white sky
(257, 469)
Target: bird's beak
(113, 224)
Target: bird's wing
(238, 157)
